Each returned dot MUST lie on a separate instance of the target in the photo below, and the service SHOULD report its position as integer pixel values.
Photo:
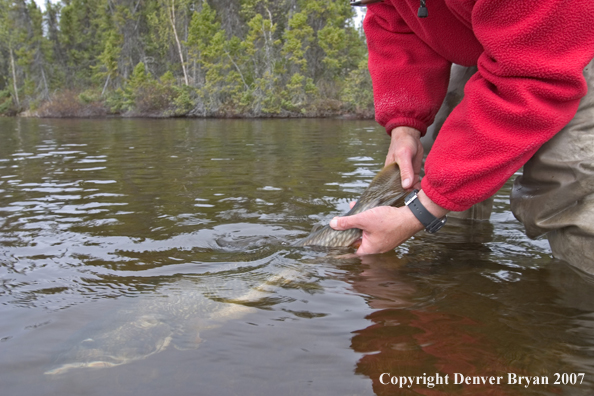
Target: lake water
(158, 252)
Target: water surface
(103, 222)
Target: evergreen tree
(106, 70)
(56, 68)
(80, 39)
(34, 53)
(9, 42)
(215, 58)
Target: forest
(174, 58)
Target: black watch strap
(431, 223)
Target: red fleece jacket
(530, 57)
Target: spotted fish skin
(384, 190)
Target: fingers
(406, 150)
(407, 172)
(409, 157)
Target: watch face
(411, 197)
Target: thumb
(344, 223)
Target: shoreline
(104, 115)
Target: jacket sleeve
(528, 87)
(409, 79)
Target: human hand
(385, 227)
(407, 151)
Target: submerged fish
(174, 316)
(384, 190)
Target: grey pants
(555, 194)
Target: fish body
(384, 190)
(174, 316)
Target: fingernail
(406, 183)
(334, 223)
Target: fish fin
(357, 243)
(316, 228)
(188, 340)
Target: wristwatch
(431, 223)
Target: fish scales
(384, 190)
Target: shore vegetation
(175, 58)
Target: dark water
(105, 223)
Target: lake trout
(384, 190)
(175, 315)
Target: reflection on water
(161, 248)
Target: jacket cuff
(408, 122)
(440, 200)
